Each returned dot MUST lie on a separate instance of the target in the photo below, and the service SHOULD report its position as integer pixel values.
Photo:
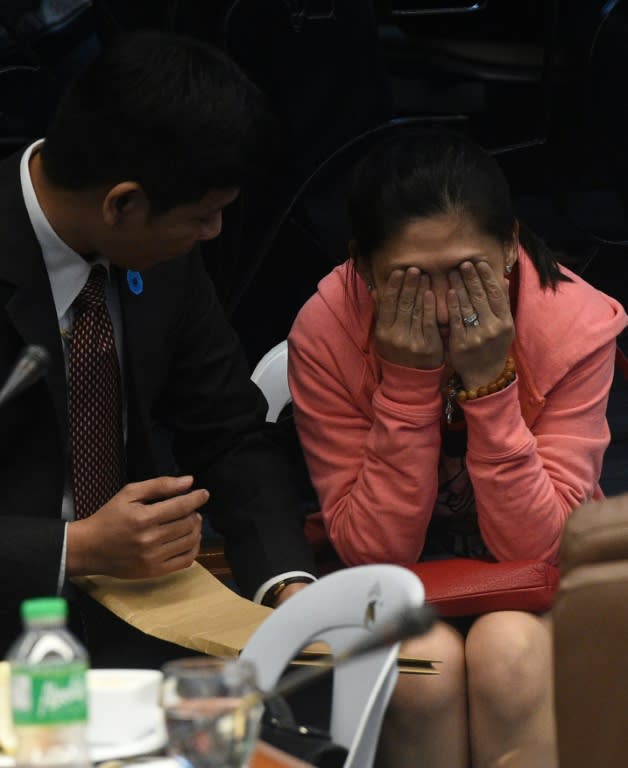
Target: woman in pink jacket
(450, 384)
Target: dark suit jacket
(185, 374)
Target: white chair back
(271, 376)
(342, 609)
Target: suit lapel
(29, 304)
(139, 362)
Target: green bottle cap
(44, 608)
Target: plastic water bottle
(49, 688)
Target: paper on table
(194, 609)
(190, 607)
(314, 655)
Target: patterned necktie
(95, 400)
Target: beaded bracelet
(501, 382)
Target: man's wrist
(268, 593)
(289, 592)
(271, 595)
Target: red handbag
(462, 586)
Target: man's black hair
(169, 112)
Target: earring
(369, 285)
(508, 269)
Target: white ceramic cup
(123, 705)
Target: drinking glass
(200, 698)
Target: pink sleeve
(376, 472)
(528, 481)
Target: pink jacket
(370, 429)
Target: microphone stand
(407, 624)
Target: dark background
(541, 83)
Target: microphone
(32, 364)
(408, 623)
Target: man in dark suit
(147, 147)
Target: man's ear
(125, 204)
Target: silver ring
(471, 321)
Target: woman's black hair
(431, 172)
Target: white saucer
(148, 744)
(152, 742)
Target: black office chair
(489, 60)
(589, 141)
(55, 36)
(28, 95)
(41, 47)
(307, 240)
(330, 74)
(318, 62)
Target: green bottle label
(49, 694)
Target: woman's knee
(508, 658)
(427, 695)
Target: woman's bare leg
(426, 721)
(510, 689)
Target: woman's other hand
(478, 352)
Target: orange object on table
(266, 756)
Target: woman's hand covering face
(478, 352)
(407, 332)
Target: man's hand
(147, 529)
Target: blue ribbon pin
(135, 282)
